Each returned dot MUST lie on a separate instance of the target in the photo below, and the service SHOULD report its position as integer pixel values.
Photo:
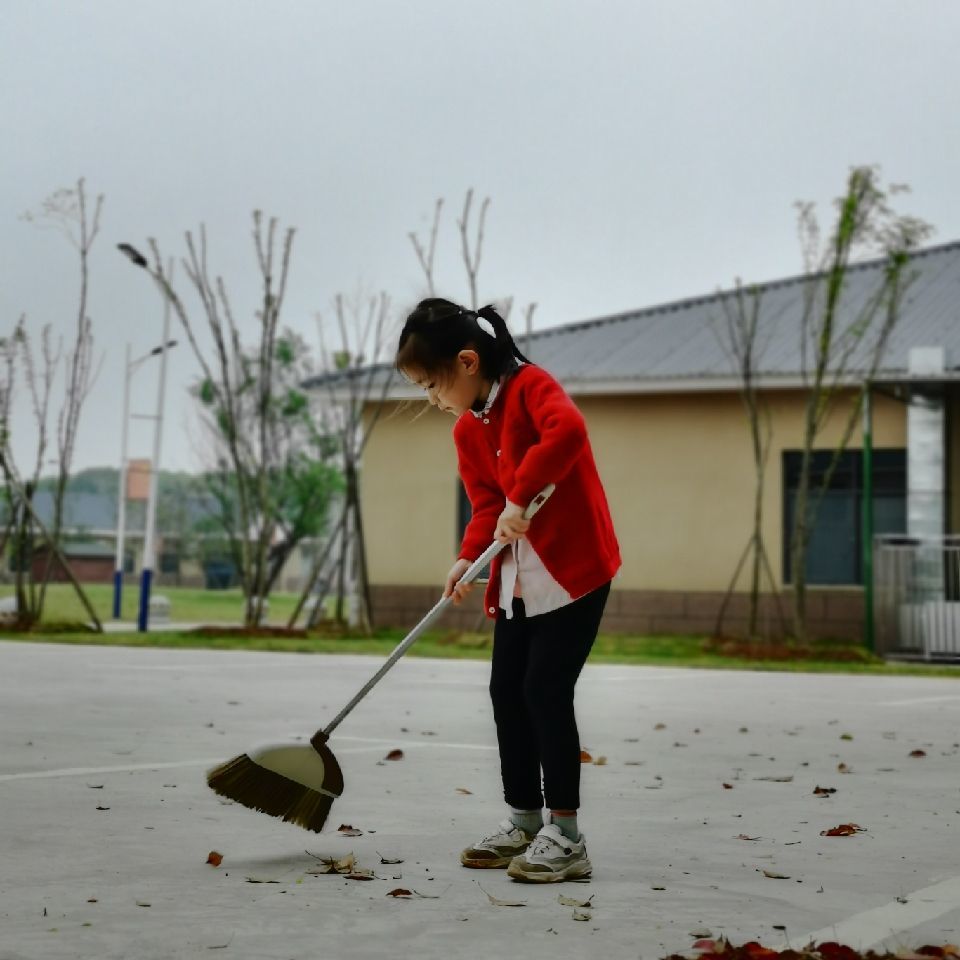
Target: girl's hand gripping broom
(298, 783)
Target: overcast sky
(634, 152)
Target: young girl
(517, 431)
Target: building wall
(677, 469)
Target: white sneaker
(498, 849)
(551, 857)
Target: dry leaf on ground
(333, 865)
(774, 876)
(918, 753)
(600, 762)
(582, 915)
(843, 830)
(384, 859)
(464, 791)
(819, 791)
(214, 858)
(348, 830)
(394, 755)
(570, 902)
(497, 902)
(788, 779)
(585, 757)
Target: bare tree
(842, 346)
(471, 258)
(426, 256)
(738, 339)
(23, 522)
(238, 388)
(349, 373)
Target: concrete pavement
(107, 821)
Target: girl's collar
(494, 392)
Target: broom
(298, 783)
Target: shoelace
(506, 827)
(542, 842)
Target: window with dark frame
(835, 550)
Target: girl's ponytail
(507, 347)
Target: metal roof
(677, 346)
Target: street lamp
(129, 367)
(149, 547)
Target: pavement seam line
(871, 927)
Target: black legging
(536, 663)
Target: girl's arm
(486, 502)
(562, 438)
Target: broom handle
(469, 575)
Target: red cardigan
(531, 436)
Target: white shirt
(522, 573)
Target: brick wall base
(835, 614)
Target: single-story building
(89, 562)
(661, 398)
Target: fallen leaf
(214, 858)
(497, 902)
(394, 755)
(103, 808)
(600, 762)
(776, 779)
(585, 757)
(774, 876)
(384, 859)
(570, 902)
(843, 830)
(349, 831)
(659, 726)
(757, 952)
(95, 786)
(842, 768)
(333, 865)
(400, 892)
(918, 753)
(708, 946)
(464, 791)
(846, 736)
(728, 786)
(658, 888)
(140, 903)
(743, 836)
(582, 915)
(259, 880)
(360, 874)
(823, 791)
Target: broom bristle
(245, 781)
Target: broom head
(295, 782)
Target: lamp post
(149, 546)
(128, 369)
(149, 549)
